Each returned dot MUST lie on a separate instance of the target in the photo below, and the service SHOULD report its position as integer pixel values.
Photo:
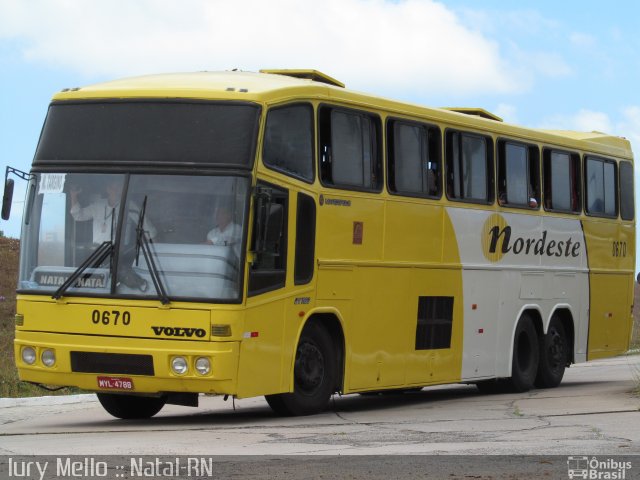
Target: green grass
(10, 385)
(635, 337)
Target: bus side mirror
(7, 197)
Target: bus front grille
(91, 362)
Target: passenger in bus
(104, 212)
(226, 232)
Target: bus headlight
(203, 365)
(179, 365)
(29, 355)
(48, 357)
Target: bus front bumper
(126, 365)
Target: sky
(542, 64)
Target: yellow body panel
(611, 249)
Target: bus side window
(269, 269)
(350, 149)
(469, 167)
(288, 141)
(414, 159)
(561, 174)
(518, 175)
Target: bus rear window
(626, 191)
(149, 132)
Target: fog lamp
(179, 365)
(203, 365)
(48, 357)
(29, 355)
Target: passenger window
(414, 159)
(288, 141)
(600, 186)
(349, 145)
(469, 167)
(627, 208)
(562, 181)
(518, 177)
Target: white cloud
(625, 123)
(507, 112)
(630, 125)
(549, 64)
(371, 44)
(582, 40)
(583, 120)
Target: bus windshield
(186, 231)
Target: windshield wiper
(142, 243)
(98, 256)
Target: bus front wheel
(130, 407)
(526, 354)
(314, 375)
(553, 356)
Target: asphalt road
(593, 412)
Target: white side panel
(511, 263)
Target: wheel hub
(556, 350)
(309, 367)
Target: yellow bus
(277, 234)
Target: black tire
(315, 374)
(554, 356)
(526, 354)
(130, 407)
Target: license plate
(115, 383)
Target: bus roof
(270, 86)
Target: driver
(226, 231)
(105, 211)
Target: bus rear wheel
(314, 375)
(526, 354)
(554, 354)
(129, 407)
